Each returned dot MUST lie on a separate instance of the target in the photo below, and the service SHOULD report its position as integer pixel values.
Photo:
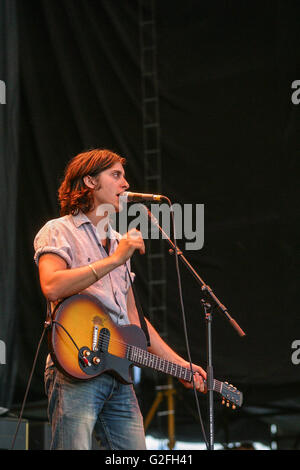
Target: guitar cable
(184, 322)
(47, 324)
(81, 356)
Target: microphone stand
(209, 302)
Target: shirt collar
(81, 219)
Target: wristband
(94, 271)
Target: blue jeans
(102, 404)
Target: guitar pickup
(103, 341)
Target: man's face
(111, 184)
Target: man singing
(73, 257)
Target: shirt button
(121, 317)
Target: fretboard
(144, 358)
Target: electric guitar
(84, 342)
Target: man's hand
(199, 376)
(129, 242)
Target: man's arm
(58, 282)
(161, 349)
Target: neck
(99, 221)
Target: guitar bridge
(95, 338)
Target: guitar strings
(106, 340)
(169, 366)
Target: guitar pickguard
(120, 368)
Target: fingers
(201, 372)
(135, 240)
(199, 382)
(129, 242)
(199, 378)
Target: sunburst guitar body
(84, 342)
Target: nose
(125, 184)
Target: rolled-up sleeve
(50, 239)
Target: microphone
(139, 197)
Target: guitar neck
(146, 359)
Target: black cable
(47, 325)
(28, 385)
(66, 331)
(184, 322)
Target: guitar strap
(137, 300)
(139, 309)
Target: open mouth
(121, 199)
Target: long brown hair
(73, 194)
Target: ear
(90, 181)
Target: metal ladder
(156, 262)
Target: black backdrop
(229, 140)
